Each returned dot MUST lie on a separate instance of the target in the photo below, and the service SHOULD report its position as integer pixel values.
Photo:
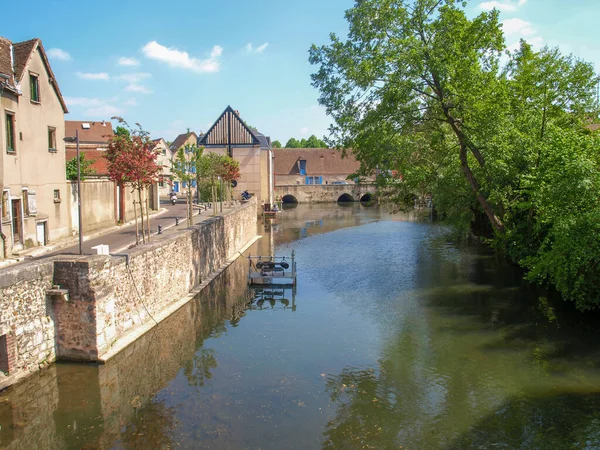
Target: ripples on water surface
(395, 338)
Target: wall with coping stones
(109, 299)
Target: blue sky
(176, 65)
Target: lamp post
(79, 222)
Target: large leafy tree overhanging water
(422, 93)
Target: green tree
(84, 167)
(407, 66)
(276, 144)
(186, 165)
(292, 143)
(122, 131)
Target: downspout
(2, 235)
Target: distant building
(230, 135)
(297, 166)
(163, 159)
(32, 149)
(94, 137)
(189, 138)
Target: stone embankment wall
(26, 323)
(97, 301)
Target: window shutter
(320, 180)
(31, 202)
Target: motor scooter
(245, 196)
(173, 198)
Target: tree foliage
(311, 142)
(132, 162)
(423, 96)
(276, 144)
(85, 168)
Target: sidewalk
(119, 237)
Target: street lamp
(79, 221)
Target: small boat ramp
(272, 270)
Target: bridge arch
(345, 198)
(367, 199)
(289, 199)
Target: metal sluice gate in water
(272, 270)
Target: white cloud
(261, 48)
(129, 62)
(504, 6)
(94, 76)
(133, 87)
(59, 54)
(178, 58)
(134, 77)
(517, 27)
(104, 111)
(131, 102)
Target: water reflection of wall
(70, 405)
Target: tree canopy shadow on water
(570, 421)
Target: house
(94, 138)
(32, 150)
(231, 136)
(189, 138)
(163, 159)
(294, 166)
(104, 202)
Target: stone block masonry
(79, 308)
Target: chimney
(103, 123)
(237, 112)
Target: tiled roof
(5, 59)
(98, 133)
(319, 161)
(593, 126)
(21, 53)
(100, 165)
(180, 140)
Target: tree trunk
(147, 217)
(494, 220)
(141, 214)
(137, 228)
(189, 207)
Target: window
(34, 88)
(314, 180)
(25, 202)
(51, 139)
(161, 183)
(56, 195)
(5, 211)
(302, 167)
(10, 133)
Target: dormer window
(34, 88)
(302, 163)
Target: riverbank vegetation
(434, 103)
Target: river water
(394, 338)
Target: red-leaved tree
(132, 162)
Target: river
(395, 337)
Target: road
(125, 237)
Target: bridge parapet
(324, 193)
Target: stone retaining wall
(99, 300)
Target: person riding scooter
(173, 197)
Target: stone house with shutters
(32, 150)
(306, 166)
(230, 135)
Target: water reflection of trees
(151, 427)
(197, 370)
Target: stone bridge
(325, 193)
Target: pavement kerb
(73, 240)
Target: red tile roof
(100, 165)
(181, 139)
(319, 161)
(98, 133)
